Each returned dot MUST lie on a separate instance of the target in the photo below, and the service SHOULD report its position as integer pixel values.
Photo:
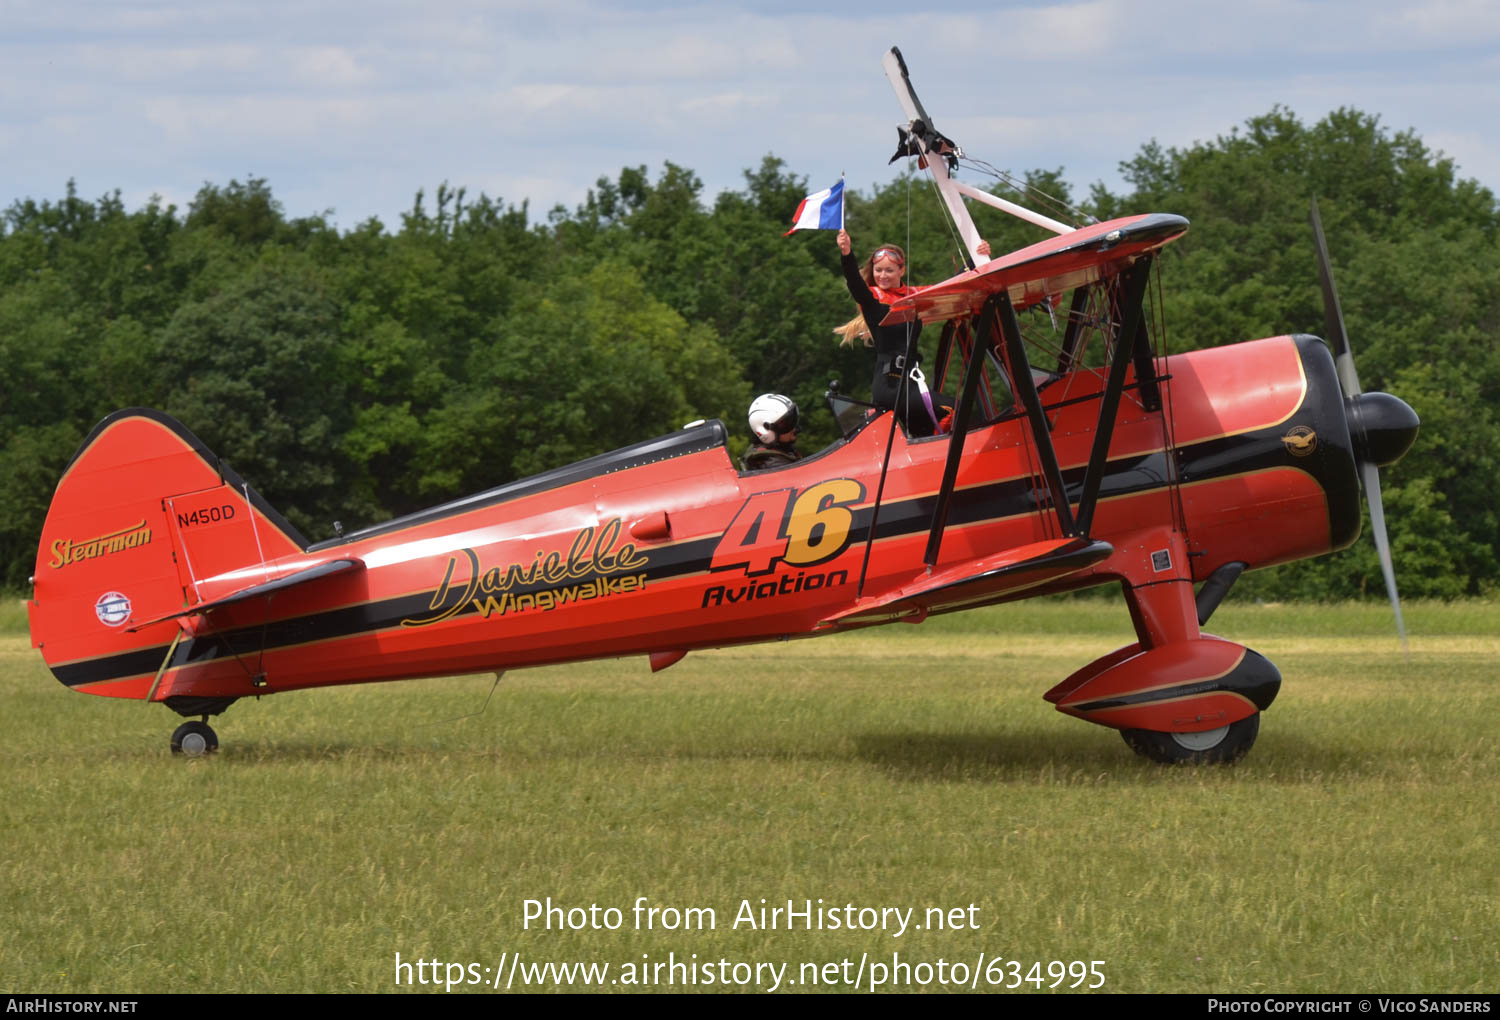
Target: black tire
(194, 739)
(1232, 744)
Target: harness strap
(917, 377)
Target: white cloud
(1441, 22)
(1069, 31)
(356, 105)
(725, 104)
(328, 66)
(257, 120)
(149, 63)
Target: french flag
(821, 211)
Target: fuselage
(665, 546)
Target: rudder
(146, 521)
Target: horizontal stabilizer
(291, 580)
(1044, 269)
(985, 580)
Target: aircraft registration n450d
(163, 576)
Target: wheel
(1222, 746)
(194, 739)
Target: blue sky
(353, 106)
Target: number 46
(802, 530)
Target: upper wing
(1043, 269)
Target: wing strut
(1128, 341)
(890, 442)
(1145, 369)
(960, 429)
(999, 317)
(1024, 385)
(945, 349)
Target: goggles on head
(890, 253)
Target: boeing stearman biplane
(163, 576)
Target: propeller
(1382, 426)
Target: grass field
(1354, 850)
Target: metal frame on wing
(997, 329)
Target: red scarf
(890, 297)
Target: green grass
(1353, 850)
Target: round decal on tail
(112, 608)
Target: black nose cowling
(1382, 426)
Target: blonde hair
(857, 327)
(853, 329)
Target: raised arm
(869, 304)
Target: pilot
(773, 423)
(897, 385)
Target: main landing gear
(195, 739)
(1221, 746)
(1178, 696)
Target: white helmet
(771, 414)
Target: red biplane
(163, 576)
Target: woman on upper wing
(898, 383)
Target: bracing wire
(902, 398)
(1158, 309)
(1055, 204)
(943, 211)
(469, 715)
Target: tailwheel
(195, 739)
(1222, 746)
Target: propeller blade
(1338, 339)
(1369, 472)
(1370, 476)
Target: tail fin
(145, 521)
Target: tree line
(356, 375)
